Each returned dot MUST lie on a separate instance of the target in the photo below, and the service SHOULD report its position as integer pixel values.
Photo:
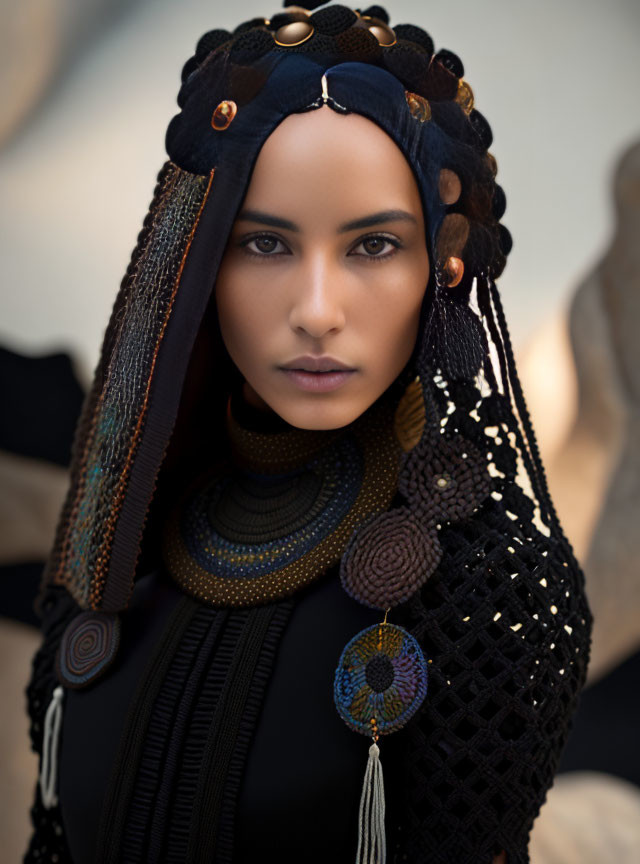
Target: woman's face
(320, 286)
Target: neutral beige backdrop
(557, 81)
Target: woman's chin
(309, 409)
(319, 413)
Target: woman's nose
(318, 298)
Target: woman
(306, 465)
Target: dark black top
(304, 769)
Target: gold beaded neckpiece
(283, 511)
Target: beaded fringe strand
(371, 837)
(49, 765)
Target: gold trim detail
(418, 105)
(464, 96)
(410, 416)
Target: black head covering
(504, 615)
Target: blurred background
(87, 90)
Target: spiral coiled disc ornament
(389, 558)
(87, 648)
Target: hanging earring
(452, 337)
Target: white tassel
(50, 744)
(372, 847)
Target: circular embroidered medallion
(445, 478)
(381, 680)
(87, 648)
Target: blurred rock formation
(588, 818)
(595, 474)
(581, 377)
(38, 38)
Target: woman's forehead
(321, 159)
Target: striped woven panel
(114, 414)
(173, 795)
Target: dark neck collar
(264, 443)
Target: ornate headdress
(470, 554)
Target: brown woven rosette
(444, 478)
(389, 558)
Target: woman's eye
(376, 246)
(264, 245)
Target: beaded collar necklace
(282, 511)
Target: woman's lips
(318, 382)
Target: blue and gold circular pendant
(381, 680)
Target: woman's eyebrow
(377, 219)
(364, 222)
(266, 219)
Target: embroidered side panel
(131, 346)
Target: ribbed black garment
(181, 712)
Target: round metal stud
(294, 33)
(383, 33)
(454, 269)
(449, 186)
(418, 106)
(223, 115)
(464, 96)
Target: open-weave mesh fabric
(506, 626)
(486, 747)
